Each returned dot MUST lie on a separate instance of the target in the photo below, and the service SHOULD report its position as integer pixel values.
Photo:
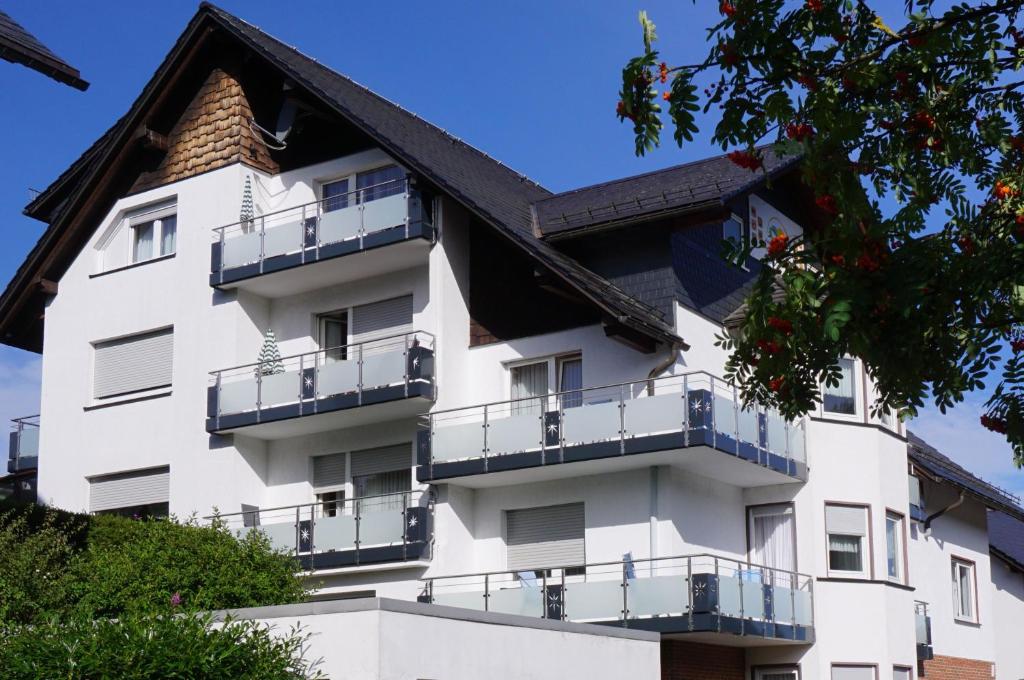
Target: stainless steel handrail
(410, 494)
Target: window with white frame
(902, 673)
(841, 398)
(133, 364)
(894, 547)
(154, 232)
(847, 528)
(732, 229)
(362, 187)
(965, 602)
(779, 673)
(854, 672)
(530, 382)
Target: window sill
(966, 622)
(864, 579)
(133, 265)
(128, 400)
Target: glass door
(773, 542)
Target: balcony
(693, 421)
(923, 631)
(368, 382)
(23, 453)
(390, 528)
(698, 597)
(290, 251)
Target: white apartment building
(477, 393)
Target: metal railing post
(298, 530)
(565, 599)
(302, 358)
(486, 426)
(408, 195)
(742, 577)
(312, 538)
(222, 252)
(544, 594)
(689, 591)
(358, 509)
(736, 416)
(718, 598)
(405, 524)
(259, 391)
(405, 361)
(359, 385)
(263, 237)
(625, 597)
(487, 592)
(622, 420)
(714, 415)
(686, 411)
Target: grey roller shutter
(540, 538)
(131, 364)
(383, 459)
(329, 470)
(128, 489)
(382, 319)
(842, 519)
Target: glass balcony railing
(371, 372)
(367, 217)
(698, 593)
(339, 533)
(923, 631)
(649, 415)
(23, 453)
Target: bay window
(894, 547)
(847, 528)
(842, 397)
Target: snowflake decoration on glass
(700, 589)
(308, 380)
(310, 230)
(552, 428)
(415, 362)
(304, 534)
(413, 521)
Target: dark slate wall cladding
(708, 284)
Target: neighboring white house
(268, 293)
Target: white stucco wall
(1008, 613)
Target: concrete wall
(395, 640)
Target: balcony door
(772, 531)
(333, 332)
(380, 476)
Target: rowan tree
(913, 145)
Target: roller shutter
(128, 489)
(329, 470)
(383, 459)
(382, 319)
(842, 519)
(135, 363)
(539, 538)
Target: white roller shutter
(842, 519)
(383, 459)
(539, 538)
(382, 319)
(853, 673)
(128, 489)
(131, 364)
(329, 470)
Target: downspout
(663, 365)
(931, 518)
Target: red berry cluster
(769, 346)
(993, 423)
(745, 159)
(827, 202)
(727, 8)
(663, 72)
(775, 384)
(799, 131)
(784, 326)
(777, 245)
(815, 5)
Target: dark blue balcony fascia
(416, 548)
(723, 443)
(420, 384)
(419, 230)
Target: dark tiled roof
(1006, 537)
(494, 192)
(21, 47)
(690, 187)
(924, 455)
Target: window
(329, 475)
(847, 527)
(773, 541)
(154, 232)
(842, 398)
(369, 186)
(776, 674)
(964, 591)
(135, 363)
(853, 672)
(545, 538)
(539, 378)
(732, 230)
(894, 550)
(529, 381)
(902, 673)
(141, 493)
(570, 381)
(334, 335)
(380, 475)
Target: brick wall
(696, 661)
(212, 132)
(956, 668)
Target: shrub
(152, 648)
(137, 566)
(36, 547)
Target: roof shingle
(18, 46)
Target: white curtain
(143, 246)
(773, 541)
(379, 484)
(842, 397)
(570, 382)
(168, 234)
(528, 381)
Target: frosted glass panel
(776, 434)
(279, 389)
(238, 395)
(803, 608)
(783, 604)
(748, 426)
(593, 600)
(338, 377)
(339, 225)
(241, 249)
(334, 533)
(474, 600)
(657, 595)
(725, 416)
(383, 369)
(282, 536)
(591, 423)
(384, 213)
(516, 433)
(284, 238)
(522, 601)
(376, 528)
(796, 443)
(921, 629)
(28, 442)
(647, 415)
(452, 442)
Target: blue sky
(532, 83)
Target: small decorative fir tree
(270, 356)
